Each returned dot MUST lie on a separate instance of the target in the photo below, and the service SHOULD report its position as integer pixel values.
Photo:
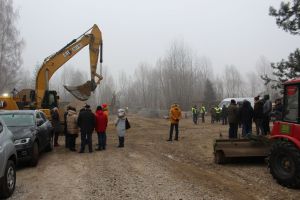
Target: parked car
(32, 133)
(8, 160)
(239, 100)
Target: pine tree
(209, 93)
(287, 18)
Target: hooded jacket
(246, 112)
(232, 113)
(175, 114)
(101, 121)
(72, 122)
(105, 109)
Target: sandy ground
(149, 167)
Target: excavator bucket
(82, 92)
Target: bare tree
(263, 69)
(10, 46)
(234, 86)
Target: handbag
(127, 124)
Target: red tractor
(284, 156)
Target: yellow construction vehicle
(42, 97)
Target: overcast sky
(228, 32)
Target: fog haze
(227, 32)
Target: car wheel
(9, 180)
(35, 154)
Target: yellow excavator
(42, 97)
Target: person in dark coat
(267, 109)
(86, 122)
(56, 124)
(224, 114)
(258, 115)
(233, 119)
(213, 115)
(278, 109)
(246, 116)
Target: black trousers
(266, 125)
(72, 141)
(195, 118)
(233, 129)
(121, 141)
(171, 131)
(224, 120)
(86, 138)
(67, 140)
(56, 134)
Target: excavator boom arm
(55, 61)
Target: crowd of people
(242, 114)
(237, 114)
(84, 123)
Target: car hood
(20, 132)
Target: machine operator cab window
(291, 104)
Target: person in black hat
(86, 122)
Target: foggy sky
(228, 32)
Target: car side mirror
(39, 122)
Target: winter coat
(65, 123)
(106, 113)
(233, 113)
(86, 120)
(213, 112)
(175, 114)
(246, 113)
(72, 122)
(105, 109)
(101, 121)
(121, 127)
(224, 111)
(267, 108)
(258, 110)
(195, 110)
(55, 120)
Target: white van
(226, 101)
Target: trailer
(253, 146)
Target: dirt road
(149, 167)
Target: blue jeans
(101, 140)
(246, 128)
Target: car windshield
(17, 119)
(226, 103)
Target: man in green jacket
(195, 114)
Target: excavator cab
(50, 99)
